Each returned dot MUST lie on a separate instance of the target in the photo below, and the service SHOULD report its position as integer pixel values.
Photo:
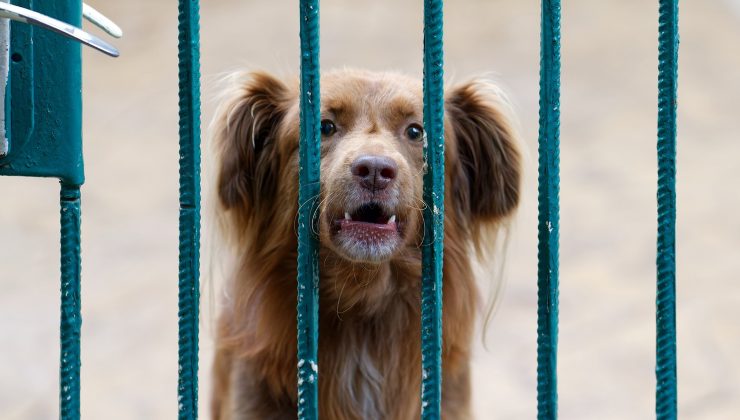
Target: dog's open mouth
(368, 220)
(369, 232)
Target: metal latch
(20, 14)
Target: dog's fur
(369, 322)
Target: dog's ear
(246, 130)
(487, 179)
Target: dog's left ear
(247, 130)
(487, 178)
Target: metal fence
(31, 145)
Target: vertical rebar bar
(308, 192)
(549, 212)
(189, 258)
(665, 369)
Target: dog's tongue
(366, 228)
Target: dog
(370, 225)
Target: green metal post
(71, 318)
(434, 193)
(43, 122)
(549, 213)
(308, 192)
(189, 266)
(665, 370)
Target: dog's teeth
(347, 216)
(392, 219)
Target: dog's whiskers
(295, 220)
(315, 222)
(423, 222)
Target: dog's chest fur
(364, 373)
(369, 347)
(369, 367)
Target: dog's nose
(374, 172)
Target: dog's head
(370, 208)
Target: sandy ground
(608, 203)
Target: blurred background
(609, 98)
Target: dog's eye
(328, 128)
(415, 132)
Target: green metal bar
(71, 318)
(308, 243)
(189, 267)
(434, 193)
(548, 209)
(665, 370)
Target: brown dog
(370, 226)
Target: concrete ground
(606, 357)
